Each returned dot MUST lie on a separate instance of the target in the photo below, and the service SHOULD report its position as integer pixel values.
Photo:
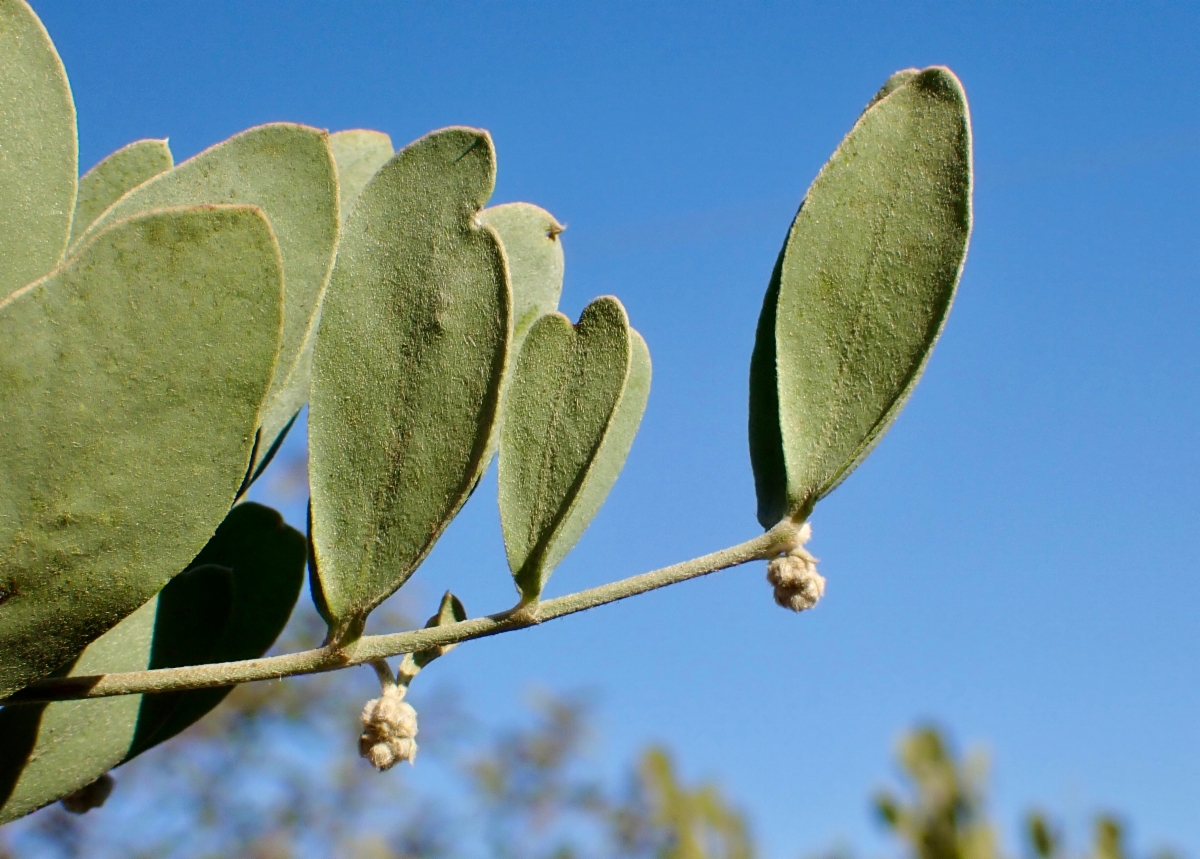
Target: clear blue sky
(1017, 560)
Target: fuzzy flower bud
(798, 585)
(389, 729)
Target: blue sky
(1017, 560)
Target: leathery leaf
(39, 153)
(288, 171)
(359, 154)
(115, 176)
(51, 750)
(131, 382)
(407, 371)
(570, 416)
(861, 291)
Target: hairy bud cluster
(389, 728)
(798, 585)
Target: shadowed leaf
(265, 558)
(69, 744)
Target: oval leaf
(39, 155)
(288, 171)
(51, 750)
(407, 371)
(569, 419)
(131, 381)
(114, 177)
(861, 291)
(359, 154)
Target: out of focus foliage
(944, 812)
(269, 776)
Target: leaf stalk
(372, 648)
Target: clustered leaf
(288, 172)
(114, 177)
(860, 292)
(162, 327)
(131, 383)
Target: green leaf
(230, 604)
(51, 750)
(450, 611)
(39, 153)
(131, 381)
(265, 557)
(860, 292)
(288, 171)
(529, 235)
(407, 371)
(359, 154)
(569, 420)
(115, 176)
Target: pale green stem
(372, 648)
(407, 670)
(384, 672)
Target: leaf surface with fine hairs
(358, 153)
(39, 152)
(861, 291)
(407, 371)
(114, 177)
(288, 171)
(569, 420)
(131, 384)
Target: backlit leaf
(359, 154)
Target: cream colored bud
(389, 729)
(798, 586)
